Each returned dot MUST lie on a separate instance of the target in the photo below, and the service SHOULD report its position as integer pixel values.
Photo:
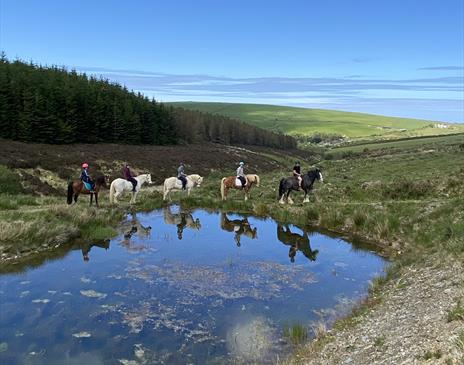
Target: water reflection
(296, 242)
(131, 228)
(87, 246)
(201, 300)
(183, 219)
(239, 227)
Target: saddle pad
(87, 185)
(238, 183)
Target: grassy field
(302, 121)
(404, 196)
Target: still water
(181, 287)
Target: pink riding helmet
(85, 165)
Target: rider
(297, 172)
(181, 175)
(85, 177)
(128, 176)
(241, 174)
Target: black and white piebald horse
(287, 184)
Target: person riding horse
(181, 175)
(128, 176)
(85, 177)
(241, 174)
(297, 172)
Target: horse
(231, 183)
(239, 226)
(78, 187)
(183, 219)
(119, 186)
(288, 184)
(173, 183)
(296, 242)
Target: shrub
(407, 189)
(9, 181)
(312, 214)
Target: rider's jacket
(240, 171)
(180, 171)
(85, 176)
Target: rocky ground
(418, 318)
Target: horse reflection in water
(87, 246)
(134, 227)
(183, 219)
(239, 226)
(297, 243)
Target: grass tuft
(295, 333)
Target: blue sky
(392, 57)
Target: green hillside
(302, 121)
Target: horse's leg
(282, 200)
(289, 200)
(188, 191)
(91, 198)
(96, 199)
(306, 197)
(166, 193)
(116, 194)
(75, 197)
(134, 196)
(246, 194)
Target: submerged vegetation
(295, 333)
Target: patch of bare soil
(411, 324)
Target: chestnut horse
(77, 187)
(230, 183)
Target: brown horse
(230, 183)
(77, 187)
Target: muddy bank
(412, 322)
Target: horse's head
(316, 174)
(197, 179)
(148, 179)
(102, 180)
(197, 224)
(254, 233)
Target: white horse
(119, 186)
(173, 183)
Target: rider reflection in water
(296, 242)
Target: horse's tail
(112, 191)
(165, 188)
(222, 187)
(70, 192)
(281, 187)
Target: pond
(180, 287)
